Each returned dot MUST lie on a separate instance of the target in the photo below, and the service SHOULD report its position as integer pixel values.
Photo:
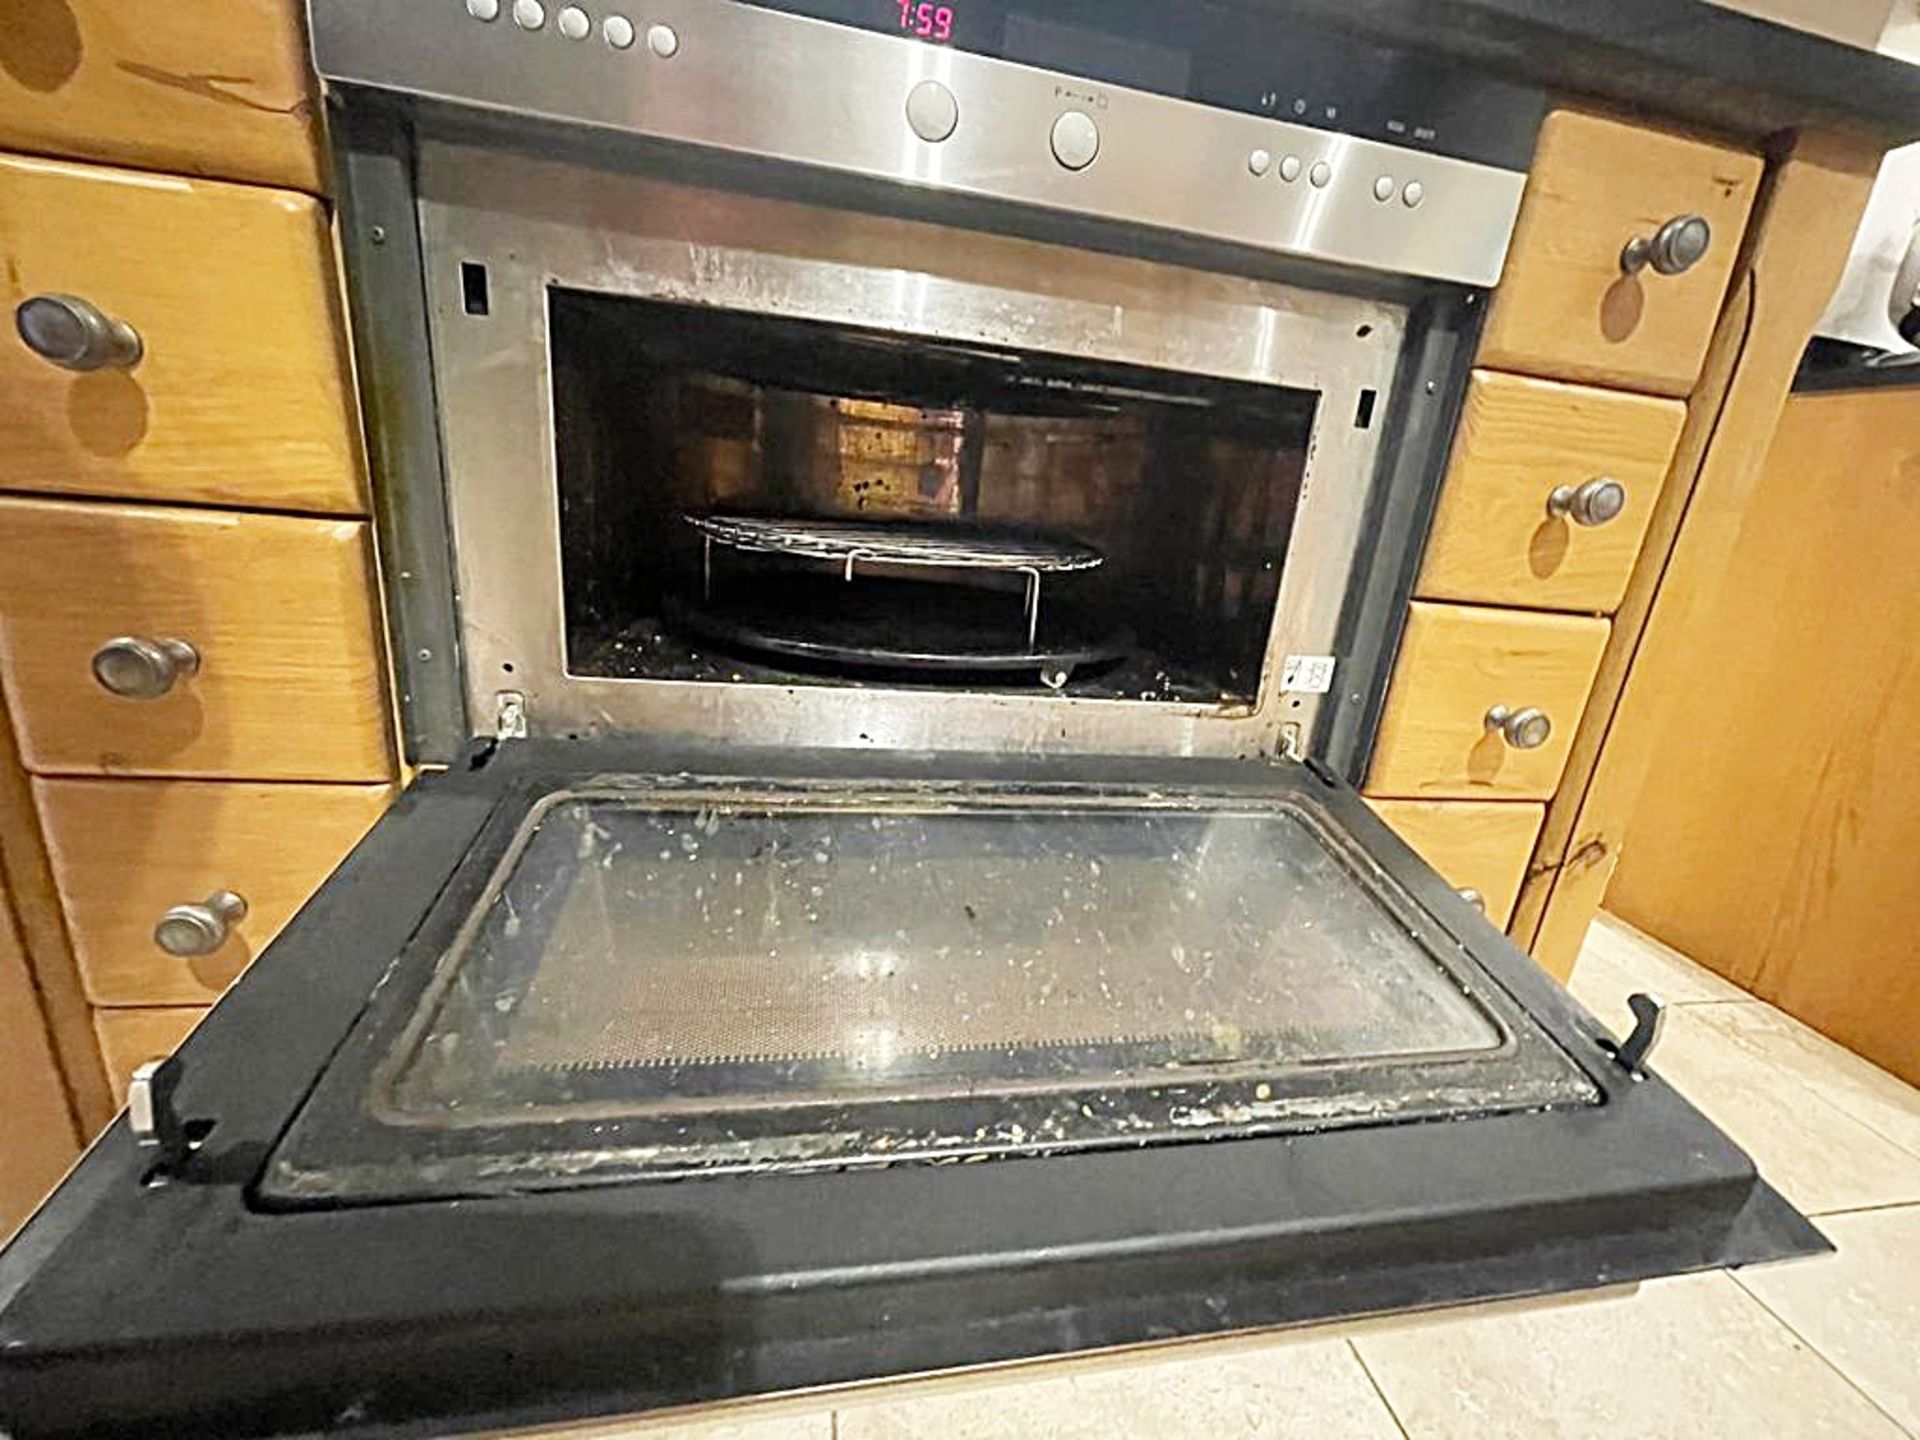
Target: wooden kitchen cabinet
(125, 852)
(1795, 752)
(1457, 663)
(1513, 527)
(202, 89)
(280, 612)
(1566, 307)
(38, 1140)
(239, 391)
(1478, 846)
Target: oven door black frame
(127, 1304)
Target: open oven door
(604, 1078)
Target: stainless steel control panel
(735, 78)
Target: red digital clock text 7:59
(929, 22)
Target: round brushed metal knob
(1593, 503)
(1524, 729)
(1673, 249)
(136, 668)
(201, 928)
(76, 334)
(1473, 897)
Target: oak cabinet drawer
(1483, 704)
(1549, 493)
(252, 637)
(128, 854)
(205, 89)
(1478, 846)
(213, 314)
(1567, 305)
(130, 1038)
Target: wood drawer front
(216, 88)
(1494, 539)
(1565, 307)
(1456, 663)
(1481, 845)
(130, 1038)
(240, 393)
(291, 680)
(125, 851)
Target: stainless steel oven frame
(537, 222)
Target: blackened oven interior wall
(1187, 485)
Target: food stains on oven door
(660, 983)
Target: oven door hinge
(509, 715)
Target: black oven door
(601, 1078)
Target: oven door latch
(1649, 1016)
(154, 1117)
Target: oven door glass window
(654, 984)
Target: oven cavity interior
(750, 498)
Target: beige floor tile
(1860, 1308)
(1617, 960)
(1815, 1154)
(1695, 1358)
(1289, 1388)
(1862, 1089)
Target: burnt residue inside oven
(677, 426)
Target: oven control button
(1076, 139)
(1260, 161)
(574, 23)
(619, 31)
(484, 9)
(1383, 188)
(1321, 175)
(663, 41)
(932, 111)
(1290, 168)
(1414, 193)
(529, 14)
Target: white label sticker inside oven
(1306, 675)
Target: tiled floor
(1827, 1347)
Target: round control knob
(1412, 194)
(1290, 168)
(201, 928)
(1321, 175)
(574, 24)
(932, 112)
(1473, 897)
(1259, 162)
(529, 14)
(1523, 729)
(484, 9)
(1076, 139)
(1383, 189)
(136, 668)
(1594, 503)
(76, 334)
(1673, 249)
(619, 31)
(663, 41)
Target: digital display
(926, 20)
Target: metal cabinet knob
(1593, 503)
(1523, 729)
(76, 334)
(137, 668)
(202, 928)
(1673, 249)
(1474, 898)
